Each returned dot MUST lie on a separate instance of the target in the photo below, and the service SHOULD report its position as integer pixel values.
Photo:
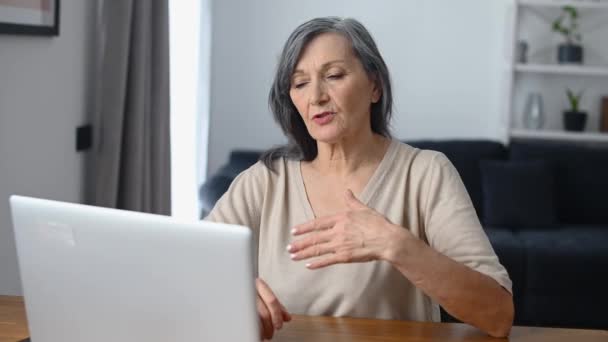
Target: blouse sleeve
(452, 226)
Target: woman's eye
(335, 76)
(299, 85)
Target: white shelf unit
(562, 69)
(559, 135)
(544, 75)
(593, 4)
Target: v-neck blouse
(419, 190)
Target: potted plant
(567, 25)
(574, 119)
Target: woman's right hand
(272, 313)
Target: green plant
(574, 99)
(567, 25)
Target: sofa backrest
(466, 156)
(239, 161)
(581, 172)
(581, 177)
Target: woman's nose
(318, 93)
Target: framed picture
(33, 17)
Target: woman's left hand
(360, 234)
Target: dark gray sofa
(554, 243)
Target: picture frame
(30, 17)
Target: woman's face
(331, 90)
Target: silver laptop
(95, 274)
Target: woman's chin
(327, 136)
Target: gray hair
(301, 146)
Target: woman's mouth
(323, 118)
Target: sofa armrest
(212, 190)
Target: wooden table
(13, 328)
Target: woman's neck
(347, 155)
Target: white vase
(534, 117)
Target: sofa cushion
(565, 276)
(465, 155)
(576, 308)
(511, 253)
(565, 257)
(581, 178)
(518, 193)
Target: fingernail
(293, 231)
(289, 247)
(293, 256)
(308, 265)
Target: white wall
(444, 56)
(43, 85)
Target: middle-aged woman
(348, 221)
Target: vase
(522, 52)
(534, 117)
(575, 121)
(570, 54)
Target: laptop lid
(97, 274)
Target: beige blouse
(418, 189)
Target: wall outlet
(84, 137)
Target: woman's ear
(376, 90)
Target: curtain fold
(129, 167)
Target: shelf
(545, 75)
(559, 135)
(601, 4)
(561, 69)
